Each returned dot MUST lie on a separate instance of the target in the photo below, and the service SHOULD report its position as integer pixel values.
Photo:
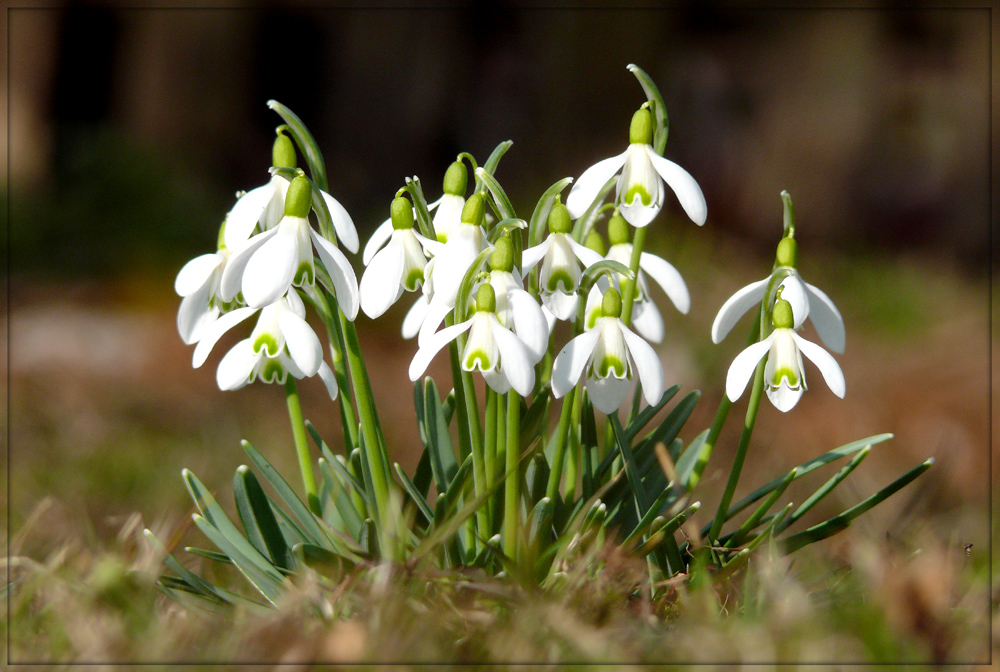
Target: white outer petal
(647, 363)
(561, 304)
(436, 312)
(687, 189)
(531, 256)
(302, 343)
(196, 273)
(515, 360)
(195, 315)
(214, 332)
(379, 238)
(587, 186)
(794, 292)
(434, 344)
(347, 234)
(329, 379)
(572, 360)
(269, 272)
(648, 321)
(232, 274)
(826, 318)
(586, 255)
(243, 218)
(744, 366)
(826, 364)
(607, 394)
(345, 283)
(237, 365)
(529, 323)
(415, 317)
(736, 306)
(667, 277)
(381, 280)
(784, 397)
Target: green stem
(512, 490)
(475, 444)
(490, 452)
(558, 458)
(301, 445)
(638, 242)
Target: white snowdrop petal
(529, 323)
(515, 360)
(826, 364)
(571, 361)
(607, 394)
(531, 256)
(561, 304)
(826, 318)
(347, 234)
(688, 192)
(647, 320)
(237, 365)
(195, 315)
(436, 312)
(302, 343)
(379, 238)
(586, 255)
(232, 274)
(243, 218)
(793, 291)
(329, 379)
(588, 185)
(415, 317)
(212, 333)
(434, 344)
(196, 273)
(783, 397)
(647, 364)
(736, 306)
(345, 283)
(380, 282)
(270, 271)
(667, 277)
(744, 366)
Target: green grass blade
(258, 519)
(693, 461)
(341, 500)
(840, 522)
(264, 577)
(754, 519)
(196, 582)
(414, 493)
(434, 433)
(646, 414)
(826, 489)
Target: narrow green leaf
(423, 476)
(646, 414)
(264, 577)
(321, 560)
(444, 465)
(306, 142)
(500, 203)
(825, 489)
(755, 517)
(840, 522)
(341, 500)
(540, 522)
(631, 470)
(659, 109)
(258, 520)
(196, 582)
(424, 221)
(414, 493)
(504, 227)
(494, 160)
(696, 455)
(534, 420)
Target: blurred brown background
(131, 129)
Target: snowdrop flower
(198, 282)
(448, 216)
(271, 262)
(282, 342)
(639, 191)
(492, 348)
(561, 258)
(396, 267)
(611, 355)
(265, 205)
(805, 299)
(784, 378)
(646, 317)
(515, 308)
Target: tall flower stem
(490, 451)
(301, 445)
(562, 435)
(628, 296)
(470, 410)
(512, 488)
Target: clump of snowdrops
(561, 452)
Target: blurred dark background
(130, 130)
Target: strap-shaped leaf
(434, 433)
(321, 560)
(423, 475)
(341, 500)
(825, 489)
(506, 226)
(493, 161)
(424, 221)
(840, 522)
(692, 462)
(659, 109)
(646, 414)
(306, 142)
(631, 469)
(264, 577)
(501, 204)
(754, 519)
(258, 520)
(336, 463)
(414, 493)
(196, 582)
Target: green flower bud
(455, 179)
(486, 298)
(298, 200)
(788, 253)
(401, 211)
(641, 129)
(617, 230)
(596, 243)
(502, 258)
(474, 211)
(782, 317)
(283, 152)
(611, 306)
(559, 219)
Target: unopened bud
(486, 298)
(298, 200)
(474, 211)
(596, 243)
(402, 213)
(559, 219)
(502, 257)
(641, 129)
(283, 152)
(455, 179)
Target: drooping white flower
(270, 262)
(639, 192)
(805, 299)
(563, 260)
(499, 354)
(397, 267)
(784, 377)
(611, 355)
(281, 342)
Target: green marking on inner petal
(784, 372)
(272, 372)
(268, 342)
(304, 275)
(560, 276)
(477, 359)
(637, 189)
(414, 279)
(611, 363)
